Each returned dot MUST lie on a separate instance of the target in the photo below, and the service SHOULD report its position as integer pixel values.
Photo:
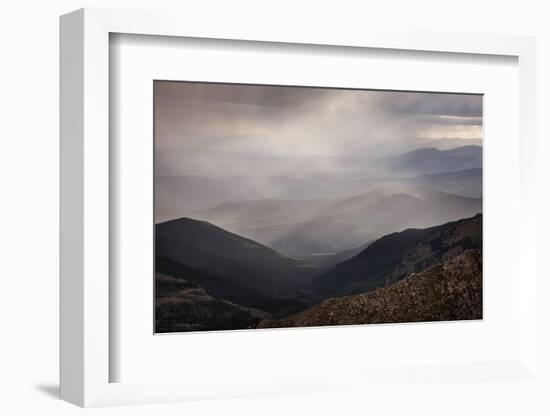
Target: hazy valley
(236, 264)
(304, 206)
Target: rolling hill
(188, 195)
(302, 228)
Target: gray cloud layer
(306, 122)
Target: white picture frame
(85, 209)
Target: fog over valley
(308, 170)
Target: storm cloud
(298, 122)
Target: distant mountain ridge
(432, 160)
(467, 182)
(301, 228)
(185, 195)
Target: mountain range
(432, 160)
(305, 227)
(456, 171)
(201, 267)
(318, 240)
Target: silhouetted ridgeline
(397, 255)
(232, 267)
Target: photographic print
(288, 206)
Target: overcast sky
(295, 121)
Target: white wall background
(29, 205)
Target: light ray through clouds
(294, 121)
(208, 130)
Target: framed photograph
(286, 206)
(265, 211)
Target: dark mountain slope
(238, 262)
(444, 292)
(396, 255)
(217, 286)
(184, 306)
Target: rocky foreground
(447, 291)
(183, 306)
